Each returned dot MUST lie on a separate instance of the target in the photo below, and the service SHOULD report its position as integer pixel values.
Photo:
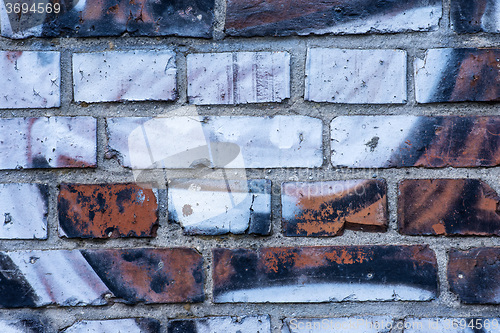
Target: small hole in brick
(460, 276)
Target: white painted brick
(54, 142)
(29, 79)
(355, 76)
(223, 142)
(338, 325)
(128, 325)
(238, 78)
(242, 324)
(23, 211)
(124, 75)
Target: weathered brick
(130, 75)
(283, 18)
(220, 142)
(215, 207)
(129, 325)
(26, 324)
(238, 78)
(257, 324)
(474, 275)
(452, 325)
(325, 274)
(22, 87)
(457, 75)
(345, 324)
(355, 76)
(111, 18)
(403, 141)
(326, 208)
(107, 211)
(54, 142)
(92, 277)
(23, 211)
(448, 207)
(475, 16)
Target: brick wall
(250, 166)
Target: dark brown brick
(474, 16)
(112, 18)
(322, 274)
(283, 18)
(326, 208)
(150, 275)
(107, 211)
(474, 275)
(448, 207)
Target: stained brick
(452, 325)
(129, 325)
(355, 76)
(221, 142)
(475, 16)
(282, 18)
(325, 274)
(457, 75)
(26, 324)
(131, 75)
(22, 87)
(54, 142)
(23, 211)
(448, 207)
(344, 324)
(215, 207)
(238, 78)
(107, 211)
(474, 275)
(111, 18)
(92, 277)
(326, 208)
(257, 324)
(403, 141)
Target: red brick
(327, 208)
(107, 211)
(474, 275)
(448, 207)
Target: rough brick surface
(350, 324)
(223, 142)
(457, 75)
(326, 208)
(404, 141)
(107, 211)
(215, 207)
(448, 207)
(475, 16)
(452, 325)
(90, 277)
(355, 76)
(474, 275)
(304, 17)
(110, 18)
(238, 78)
(21, 87)
(23, 211)
(55, 142)
(129, 325)
(322, 274)
(132, 76)
(257, 324)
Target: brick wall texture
(249, 166)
